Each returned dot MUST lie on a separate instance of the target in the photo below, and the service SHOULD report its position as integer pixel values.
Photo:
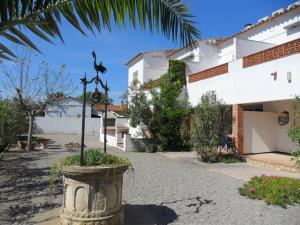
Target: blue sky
(218, 18)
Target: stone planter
(92, 196)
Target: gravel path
(161, 191)
(187, 192)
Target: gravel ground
(160, 191)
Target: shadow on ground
(161, 214)
(148, 215)
(24, 187)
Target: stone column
(238, 127)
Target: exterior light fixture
(274, 74)
(289, 76)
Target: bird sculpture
(98, 67)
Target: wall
(122, 122)
(283, 142)
(207, 57)
(66, 125)
(110, 138)
(246, 47)
(154, 67)
(226, 52)
(139, 67)
(67, 108)
(259, 132)
(128, 145)
(252, 84)
(274, 32)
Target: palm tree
(43, 17)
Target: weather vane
(96, 96)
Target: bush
(273, 190)
(294, 134)
(207, 154)
(210, 125)
(145, 145)
(12, 123)
(94, 157)
(213, 155)
(164, 116)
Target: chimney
(247, 26)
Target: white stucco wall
(66, 125)
(111, 139)
(259, 132)
(246, 47)
(274, 31)
(67, 108)
(252, 84)
(154, 67)
(283, 142)
(128, 145)
(136, 67)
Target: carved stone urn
(92, 195)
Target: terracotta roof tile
(114, 108)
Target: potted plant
(92, 192)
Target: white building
(67, 107)
(255, 70)
(117, 125)
(64, 116)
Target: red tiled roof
(114, 108)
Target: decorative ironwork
(97, 97)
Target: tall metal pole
(105, 116)
(83, 119)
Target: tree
(42, 18)
(209, 131)
(163, 115)
(171, 106)
(12, 122)
(33, 87)
(89, 98)
(140, 112)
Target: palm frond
(43, 18)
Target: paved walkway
(164, 189)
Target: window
(110, 122)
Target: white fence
(66, 125)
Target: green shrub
(164, 116)
(94, 157)
(294, 133)
(296, 157)
(145, 145)
(273, 190)
(207, 154)
(213, 155)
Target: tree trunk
(29, 139)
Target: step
(278, 166)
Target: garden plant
(164, 116)
(273, 190)
(211, 125)
(294, 134)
